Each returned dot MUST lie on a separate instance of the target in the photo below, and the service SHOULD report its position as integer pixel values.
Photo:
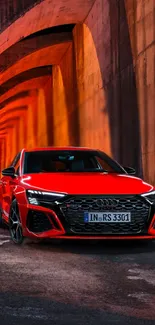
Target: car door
(8, 184)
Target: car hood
(86, 183)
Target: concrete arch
(15, 117)
(33, 43)
(29, 104)
(25, 76)
(46, 14)
(98, 85)
(35, 108)
(32, 84)
(41, 58)
(11, 147)
(63, 82)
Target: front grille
(74, 208)
(38, 222)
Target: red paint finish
(86, 183)
(71, 183)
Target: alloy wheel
(15, 225)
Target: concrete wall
(91, 95)
(65, 117)
(141, 20)
(107, 97)
(101, 88)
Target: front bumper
(65, 220)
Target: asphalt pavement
(77, 283)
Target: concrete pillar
(14, 145)
(141, 23)
(48, 95)
(3, 155)
(60, 114)
(31, 135)
(65, 109)
(23, 126)
(68, 73)
(9, 146)
(106, 86)
(92, 101)
(42, 137)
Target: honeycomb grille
(74, 208)
(38, 222)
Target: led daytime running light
(148, 194)
(46, 193)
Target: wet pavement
(68, 283)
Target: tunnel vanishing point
(79, 72)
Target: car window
(52, 161)
(104, 164)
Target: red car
(74, 193)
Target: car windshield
(53, 161)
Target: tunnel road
(77, 283)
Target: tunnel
(79, 73)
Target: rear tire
(15, 226)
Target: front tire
(15, 226)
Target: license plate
(107, 217)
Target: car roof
(58, 148)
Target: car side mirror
(9, 172)
(130, 170)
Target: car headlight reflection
(34, 197)
(150, 197)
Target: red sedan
(74, 193)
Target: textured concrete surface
(77, 283)
(102, 75)
(141, 21)
(44, 15)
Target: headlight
(34, 197)
(150, 197)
